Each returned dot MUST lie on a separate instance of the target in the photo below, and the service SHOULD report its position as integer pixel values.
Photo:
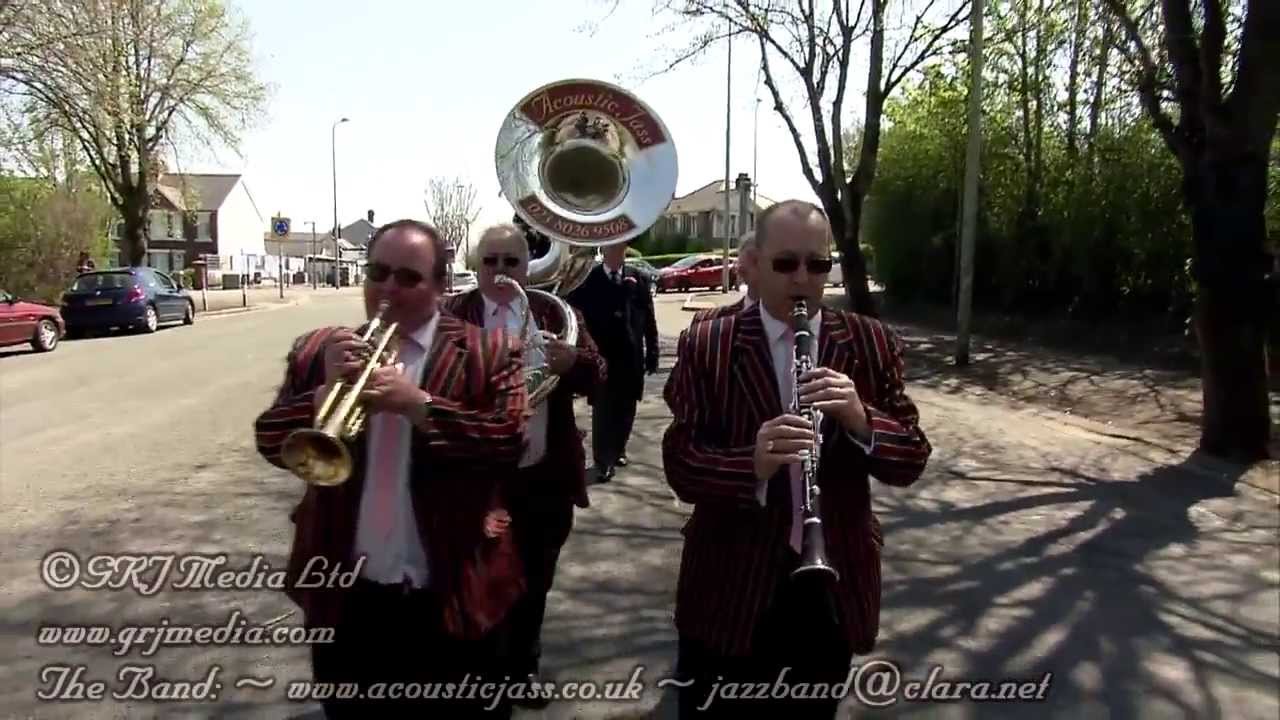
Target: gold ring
(769, 446)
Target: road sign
(280, 226)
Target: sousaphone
(585, 165)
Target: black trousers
(797, 633)
(540, 525)
(388, 636)
(612, 415)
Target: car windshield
(103, 281)
(687, 262)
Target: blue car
(137, 298)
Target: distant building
(700, 214)
(194, 215)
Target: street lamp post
(333, 146)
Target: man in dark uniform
(617, 305)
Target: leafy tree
(124, 77)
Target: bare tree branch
(451, 209)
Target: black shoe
(622, 461)
(604, 474)
(535, 696)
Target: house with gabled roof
(700, 214)
(209, 215)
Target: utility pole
(728, 95)
(973, 156)
(312, 264)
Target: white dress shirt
(780, 348)
(536, 427)
(396, 555)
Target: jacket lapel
(833, 346)
(447, 360)
(753, 364)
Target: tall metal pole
(755, 162)
(728, 95)
(973, 156)
(333, 145)
(312, 264)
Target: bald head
(788, 212)
(502, 250)
(505, 238)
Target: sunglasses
(405, 277)
(510, 261)
(786, 265)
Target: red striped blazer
(473, 437)
(565, 460)
(721, 389)
(718, 311)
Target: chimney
(370, 217)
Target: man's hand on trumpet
(389, 390)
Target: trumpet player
(551, 480)
(735, 449)
(443, 422)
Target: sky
(427, 83)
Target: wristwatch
(424, 408)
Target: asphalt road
(1147, 586)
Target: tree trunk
(135, 211)
(853, 265)
(1226, 195)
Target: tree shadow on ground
(1137, 602)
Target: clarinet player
(735, 451)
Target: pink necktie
(387, 450)
(797, 475)
(388, 440)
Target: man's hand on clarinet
(780, 442)
(834, 395)
(496, 522)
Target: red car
(29, 322)
(696, 271)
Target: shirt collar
(424, 334)
(776, 329)
(491, 307)
(747, 302)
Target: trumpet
(321, 455)
(813, 547)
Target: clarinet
(813, 548)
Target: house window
(169, 222)
(178, 259)
(202, 226)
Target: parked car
(649, 272)
(23, 321)
(696, 271)
(463, 281)
(135, 297)
(836, 276)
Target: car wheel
(150, 321)
(46, 337)
(190, 317)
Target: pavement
(1146, 581)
